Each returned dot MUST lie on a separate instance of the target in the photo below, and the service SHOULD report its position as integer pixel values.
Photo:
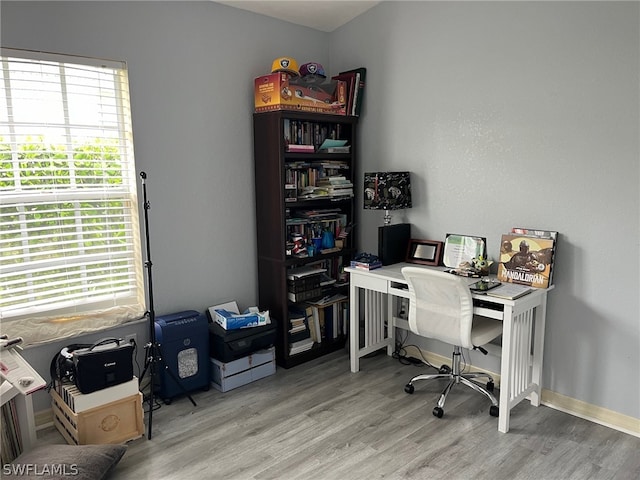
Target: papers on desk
(16, 370)
(510, 291)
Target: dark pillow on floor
(80, 462)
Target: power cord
(400, 353)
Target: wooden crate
(114, 422)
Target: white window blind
(69, 233)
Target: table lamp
(389, 191)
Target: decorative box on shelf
(278, 91)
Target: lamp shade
(387, 190)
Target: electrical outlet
(131, 338)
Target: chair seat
(484, 330)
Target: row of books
(79, 402)
(527, 257)
(355, 83)
(310, 134)
(322, 320)
(301, 177)
(301, 148)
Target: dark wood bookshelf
(271, 160)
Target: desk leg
(24, 410)
(538, 349)
(354, 327)
(506, 370)
(391, 324)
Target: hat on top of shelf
(312, 73)
(312, 68)
(286, 65)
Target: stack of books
(337, 186)
(300, 346)
(372, 265)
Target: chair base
(456, 377)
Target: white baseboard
(593, 413)
(578, 408)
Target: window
(70, 259)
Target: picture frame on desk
(424, 252)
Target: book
(345, 149)
(543, 234)
(509, 291)
(527, 260)
(361, 74)
(350, 86)
(316, 327)
(300, 148)
(305, 271)
(300, 346)
(366, 266)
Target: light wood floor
(320, 421)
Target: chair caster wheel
(444, 369)
(438, 412)
(490, 386)
(494, 411)
(409, 388)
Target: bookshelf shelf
(283, 229)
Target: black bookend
(392, 242)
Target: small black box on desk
(229, 345)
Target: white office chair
(441, 307)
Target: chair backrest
(440, 305)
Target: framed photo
(460, 250)
(424, 252)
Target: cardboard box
(227, 376)
(278, 91)
(113, 422)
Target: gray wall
(191, 70)
(520, 114)
(507, 114)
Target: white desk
(522, 331)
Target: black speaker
(393, 241)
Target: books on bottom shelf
(509, 291)
(300, 346)
(328, 318)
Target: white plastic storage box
(227, 376)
